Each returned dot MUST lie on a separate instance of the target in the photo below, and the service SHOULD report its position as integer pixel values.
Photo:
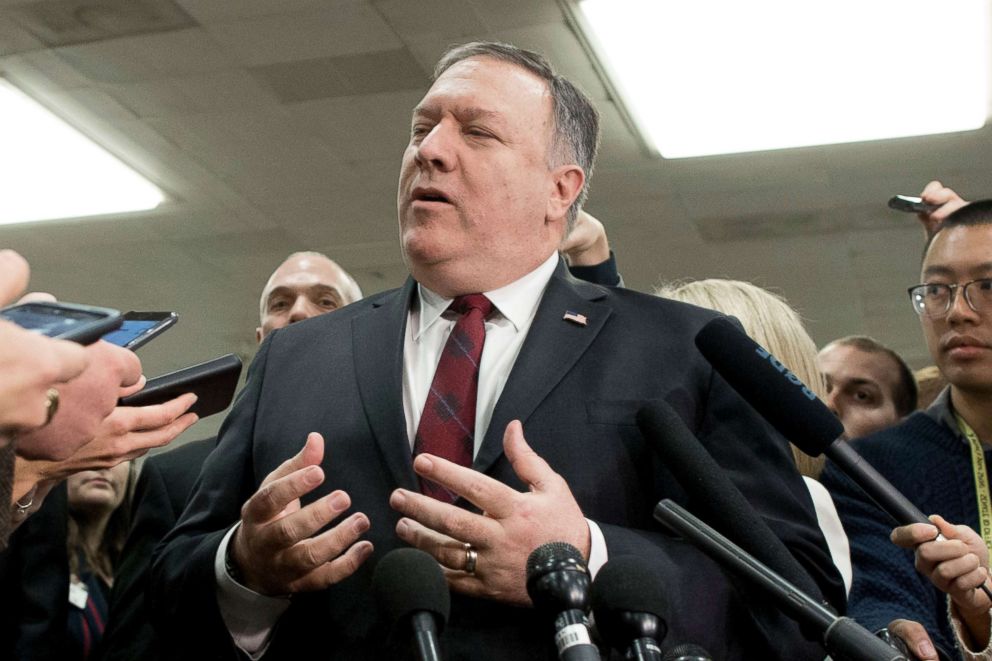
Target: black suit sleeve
(604, 273)
(129, 634)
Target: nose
(436, 149)
(302, 309)
(960, 311)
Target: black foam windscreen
(713, 494)
(776, 393)
(407, 581)
(628, 584)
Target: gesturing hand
(275, 549)
(513, 524)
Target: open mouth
(429, 195)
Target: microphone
(686, 652)
(796, 412)
(411, 592)
(558, 584)
(843, 638)
(706, 483)
(629, 604)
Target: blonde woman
(771, 322)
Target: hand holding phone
(910, 204)
(213, 382)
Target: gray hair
(576, 121)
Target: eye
(419, 131)
(276, 306)
(864, 396)
(327, 303)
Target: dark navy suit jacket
(577, 389)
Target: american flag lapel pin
(575, 318)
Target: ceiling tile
(422, 17)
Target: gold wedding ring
(471, 557)
(51, 405)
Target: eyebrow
(432, 111)
(939, 269)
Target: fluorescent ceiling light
(706, 77)
(50, 170)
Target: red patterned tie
(447, 426)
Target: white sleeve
(597, 549)
(250, 617)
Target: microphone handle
(572, 637)
(644, 649)
(425, 636)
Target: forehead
(305, 272)
(847, 363)
(964, 250)
(483, 85)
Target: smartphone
(213, 382)
(84, 324)
(909, 204)
(140, 327)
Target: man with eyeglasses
(938, 458)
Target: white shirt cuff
(597, 549)
(250, 617)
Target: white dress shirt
(251, 617)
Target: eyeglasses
(934, 300)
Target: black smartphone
(140, 327)
(909, 204)
(213, 382)
(84, 324)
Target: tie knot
(463, 304)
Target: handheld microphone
(558, 584)
(686, 652)
(629, 604)
(841, 636)
(797, 413)
(411, 592)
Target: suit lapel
(378, 351)
(552, 347)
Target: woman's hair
(103, 559)
(771, 322)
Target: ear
(566, 182)
(258, 335)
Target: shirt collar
(516, 301)
(942, 411)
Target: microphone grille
(548, 556)
(686, 652)
(407, 581)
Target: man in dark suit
(305, 285)
(495, 170)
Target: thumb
(526, 463)
(311, 454)
(946, 529)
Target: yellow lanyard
(981, 480)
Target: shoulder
(180, 458)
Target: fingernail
(402, 527)
(361, 525)
(398, 498)
(365, 551)
(925, 649)
(313, 475)
(425, 463)
(339, 501)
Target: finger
(449, 552)
(72, 359)
(526, 463)
(913, 535)
(156, 438)
(463, 583)
(447, 519)
(311, 454)
(310, 553)
(37, 297)
(153, 416)
(133, 388)
(947, 572)
(290, 529)
(916, 638)
(943, 550)
(335, 571)
(14, 275)
(272, 498)
(481, 490)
